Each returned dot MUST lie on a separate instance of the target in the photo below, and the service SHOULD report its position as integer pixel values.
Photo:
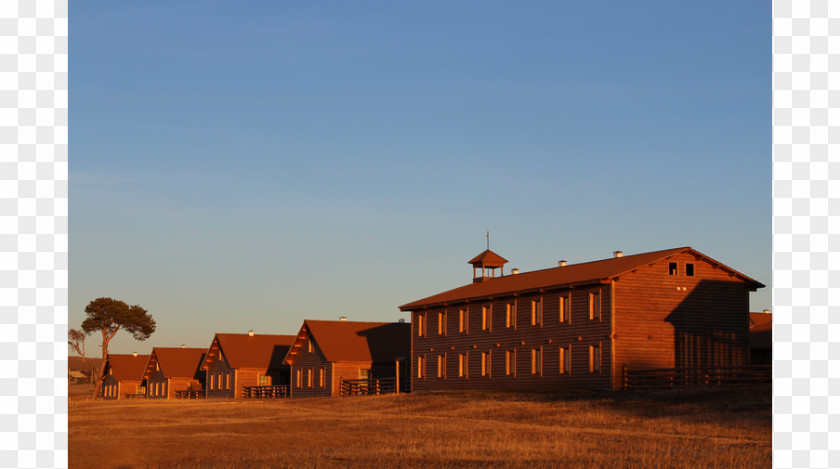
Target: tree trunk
(100, 375)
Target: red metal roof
(175, 362)
(263, 351)
(488, 258)
(357, 341)
(572, 274)
(127, 367)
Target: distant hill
(77, 364)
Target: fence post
(625, 380)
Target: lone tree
(108, 316)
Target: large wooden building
(235, 361)
(325, 352)
(123, 376)
(761, 338)
(579, 325)
(172, 369)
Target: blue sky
(248, 165)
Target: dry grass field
(677, 429)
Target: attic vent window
(672, 268)
(689, 270)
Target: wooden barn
(238, 361)
(124, 376)
(761, 338)
(326, 352)
(579, 325)
(171, 371)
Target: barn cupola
(485, 265)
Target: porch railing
(696, 376)
(190, 394)
(265, 392)
(359, 387)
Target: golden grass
(682, 429)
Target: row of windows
(307, 375)
(564, 303)
(157, 389)
(536, 364)
(220, 382)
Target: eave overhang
(504, 295)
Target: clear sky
(248, 165)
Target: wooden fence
(190, 394)
(699, 376)
(265, 392)
(359, 387)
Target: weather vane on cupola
(486, 263)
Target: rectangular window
(485, 318)
(689, 270)
(441, 366)
(263, 380)
(462, 365)
(565, 360)
(510, 315)
(420, 325)
(322, 377)
(420, 367)
(484, 364)
(212, 387)
(536, 361)
(672, 268)
(441, 323)
(308, 378)
(299, 378)
(565, 306)
(309, 345)
(595, 358)
(227, 382)
(510, 362)
(536, 312)
(462, 319)
(594, 306)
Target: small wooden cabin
(761, 338)
(79, 371)
(578, 325)
(124, 376)
(172, 369)
(235, 361)
(325, 352)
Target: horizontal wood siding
(247, 377)
(493, 337)
(219, 372)
(311, 362)
(347, 370)
(157, 386)
(113, 389)
(668, 321)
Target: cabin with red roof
(579, 325)
(326, 352)
(235, 362)
(171, 370)
(124, 376)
